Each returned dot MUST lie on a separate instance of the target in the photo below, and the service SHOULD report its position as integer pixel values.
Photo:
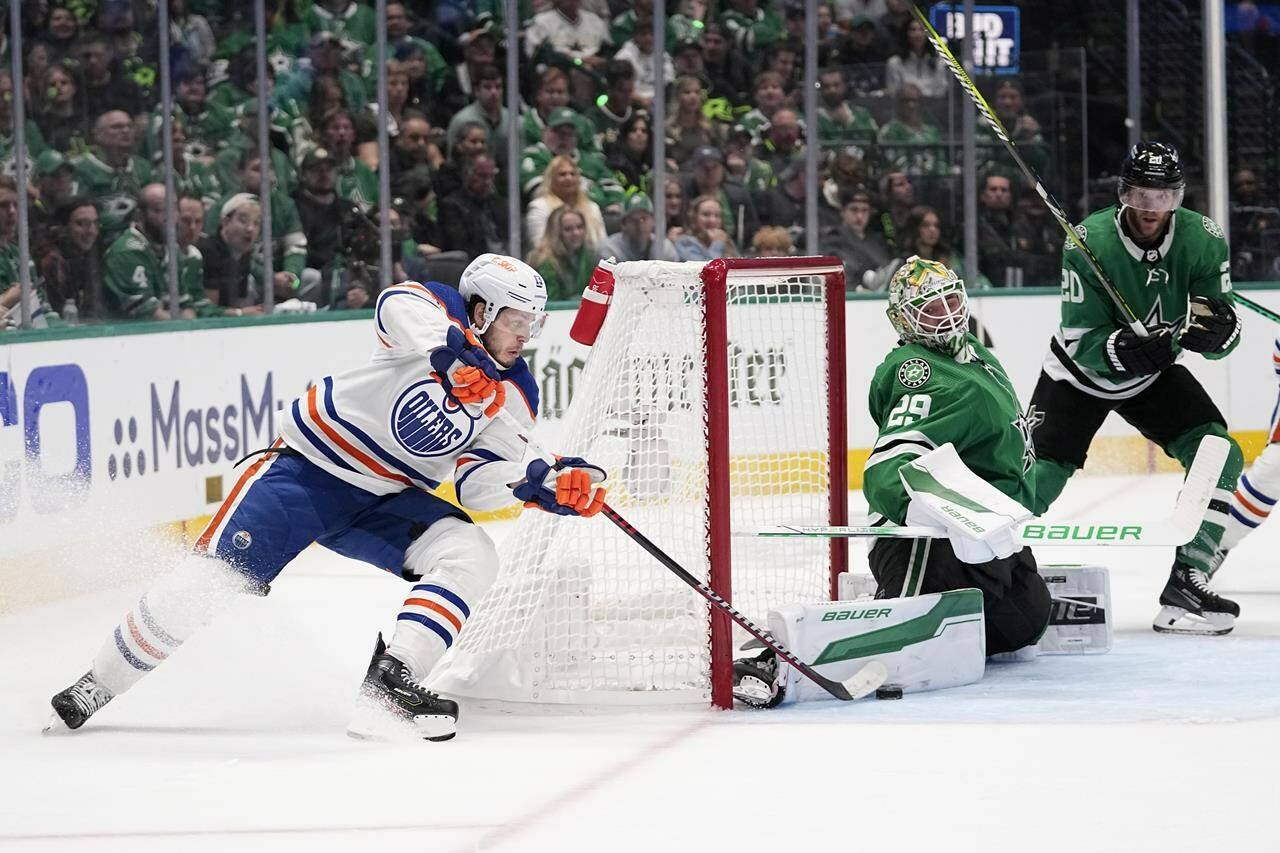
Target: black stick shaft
(835, 688)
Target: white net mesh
(582, 614)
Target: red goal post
(716, 277)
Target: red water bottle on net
(594, 305)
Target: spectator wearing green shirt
(399, 23)
(487, 109)
(136, 285)
(346, 19)
(190, 224)
(324, 59)
(750, 27)
(111, 174)
(10, 286)
(289, 243)
(839, 122)
(356, 181)
(564, 257)
(911, 143)
(560, 139)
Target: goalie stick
(861, 683)
(966, 83)
(1178, 529)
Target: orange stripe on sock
(431, 605)
(202, 544)
(1261, 513)
(142, 643)
(337, 439)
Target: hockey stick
(1256, 307)
(940, 45)
(1179, 529)
(864, 681)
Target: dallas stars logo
(914, 372)
(1026, 424)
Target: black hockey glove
(1129, 353)
(1214, 325)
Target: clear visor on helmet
(523, 323)
(939, 312)
(1150, 199)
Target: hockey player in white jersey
(1258, 491)
(352, 470)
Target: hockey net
(714, 398)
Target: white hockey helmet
(505, 282)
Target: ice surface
(238, 742)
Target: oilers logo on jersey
(427, 422)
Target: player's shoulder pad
(909, 367)
(520, 376)
(1198, 221)
(454, 305)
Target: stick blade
(1199, 486)
(866, 680)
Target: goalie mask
(928, 305)
(504, 282)
(1151, 178)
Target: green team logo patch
(1081, 232)
(914, 372)
(1212, 227)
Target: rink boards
(108, 434)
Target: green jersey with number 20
(1191, 260)
(921, 399)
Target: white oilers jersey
(389, 425)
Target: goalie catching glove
(1213, 325)
(472, 375)
(981, 521)
(568, 488)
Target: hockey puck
(889, 692)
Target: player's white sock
(174, 608)
(1255, 496)
(457, 563)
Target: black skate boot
(73, 706)
(1190, 607)
(391, 704)
(755, 680)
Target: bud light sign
(997, 42)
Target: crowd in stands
(735, 143)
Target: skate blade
(375, 723)
(55, 726)
(1175, 620)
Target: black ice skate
(391, 704)
(73, 706)
(1190, 607)
(755, 680)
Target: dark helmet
(1153, 164)
(1151, 178)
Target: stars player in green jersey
(940, 386)
(1171, 266)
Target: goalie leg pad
(1016, 602)
(927, 642)
(457, 563)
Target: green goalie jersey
(1192, 260)
(922, 399)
